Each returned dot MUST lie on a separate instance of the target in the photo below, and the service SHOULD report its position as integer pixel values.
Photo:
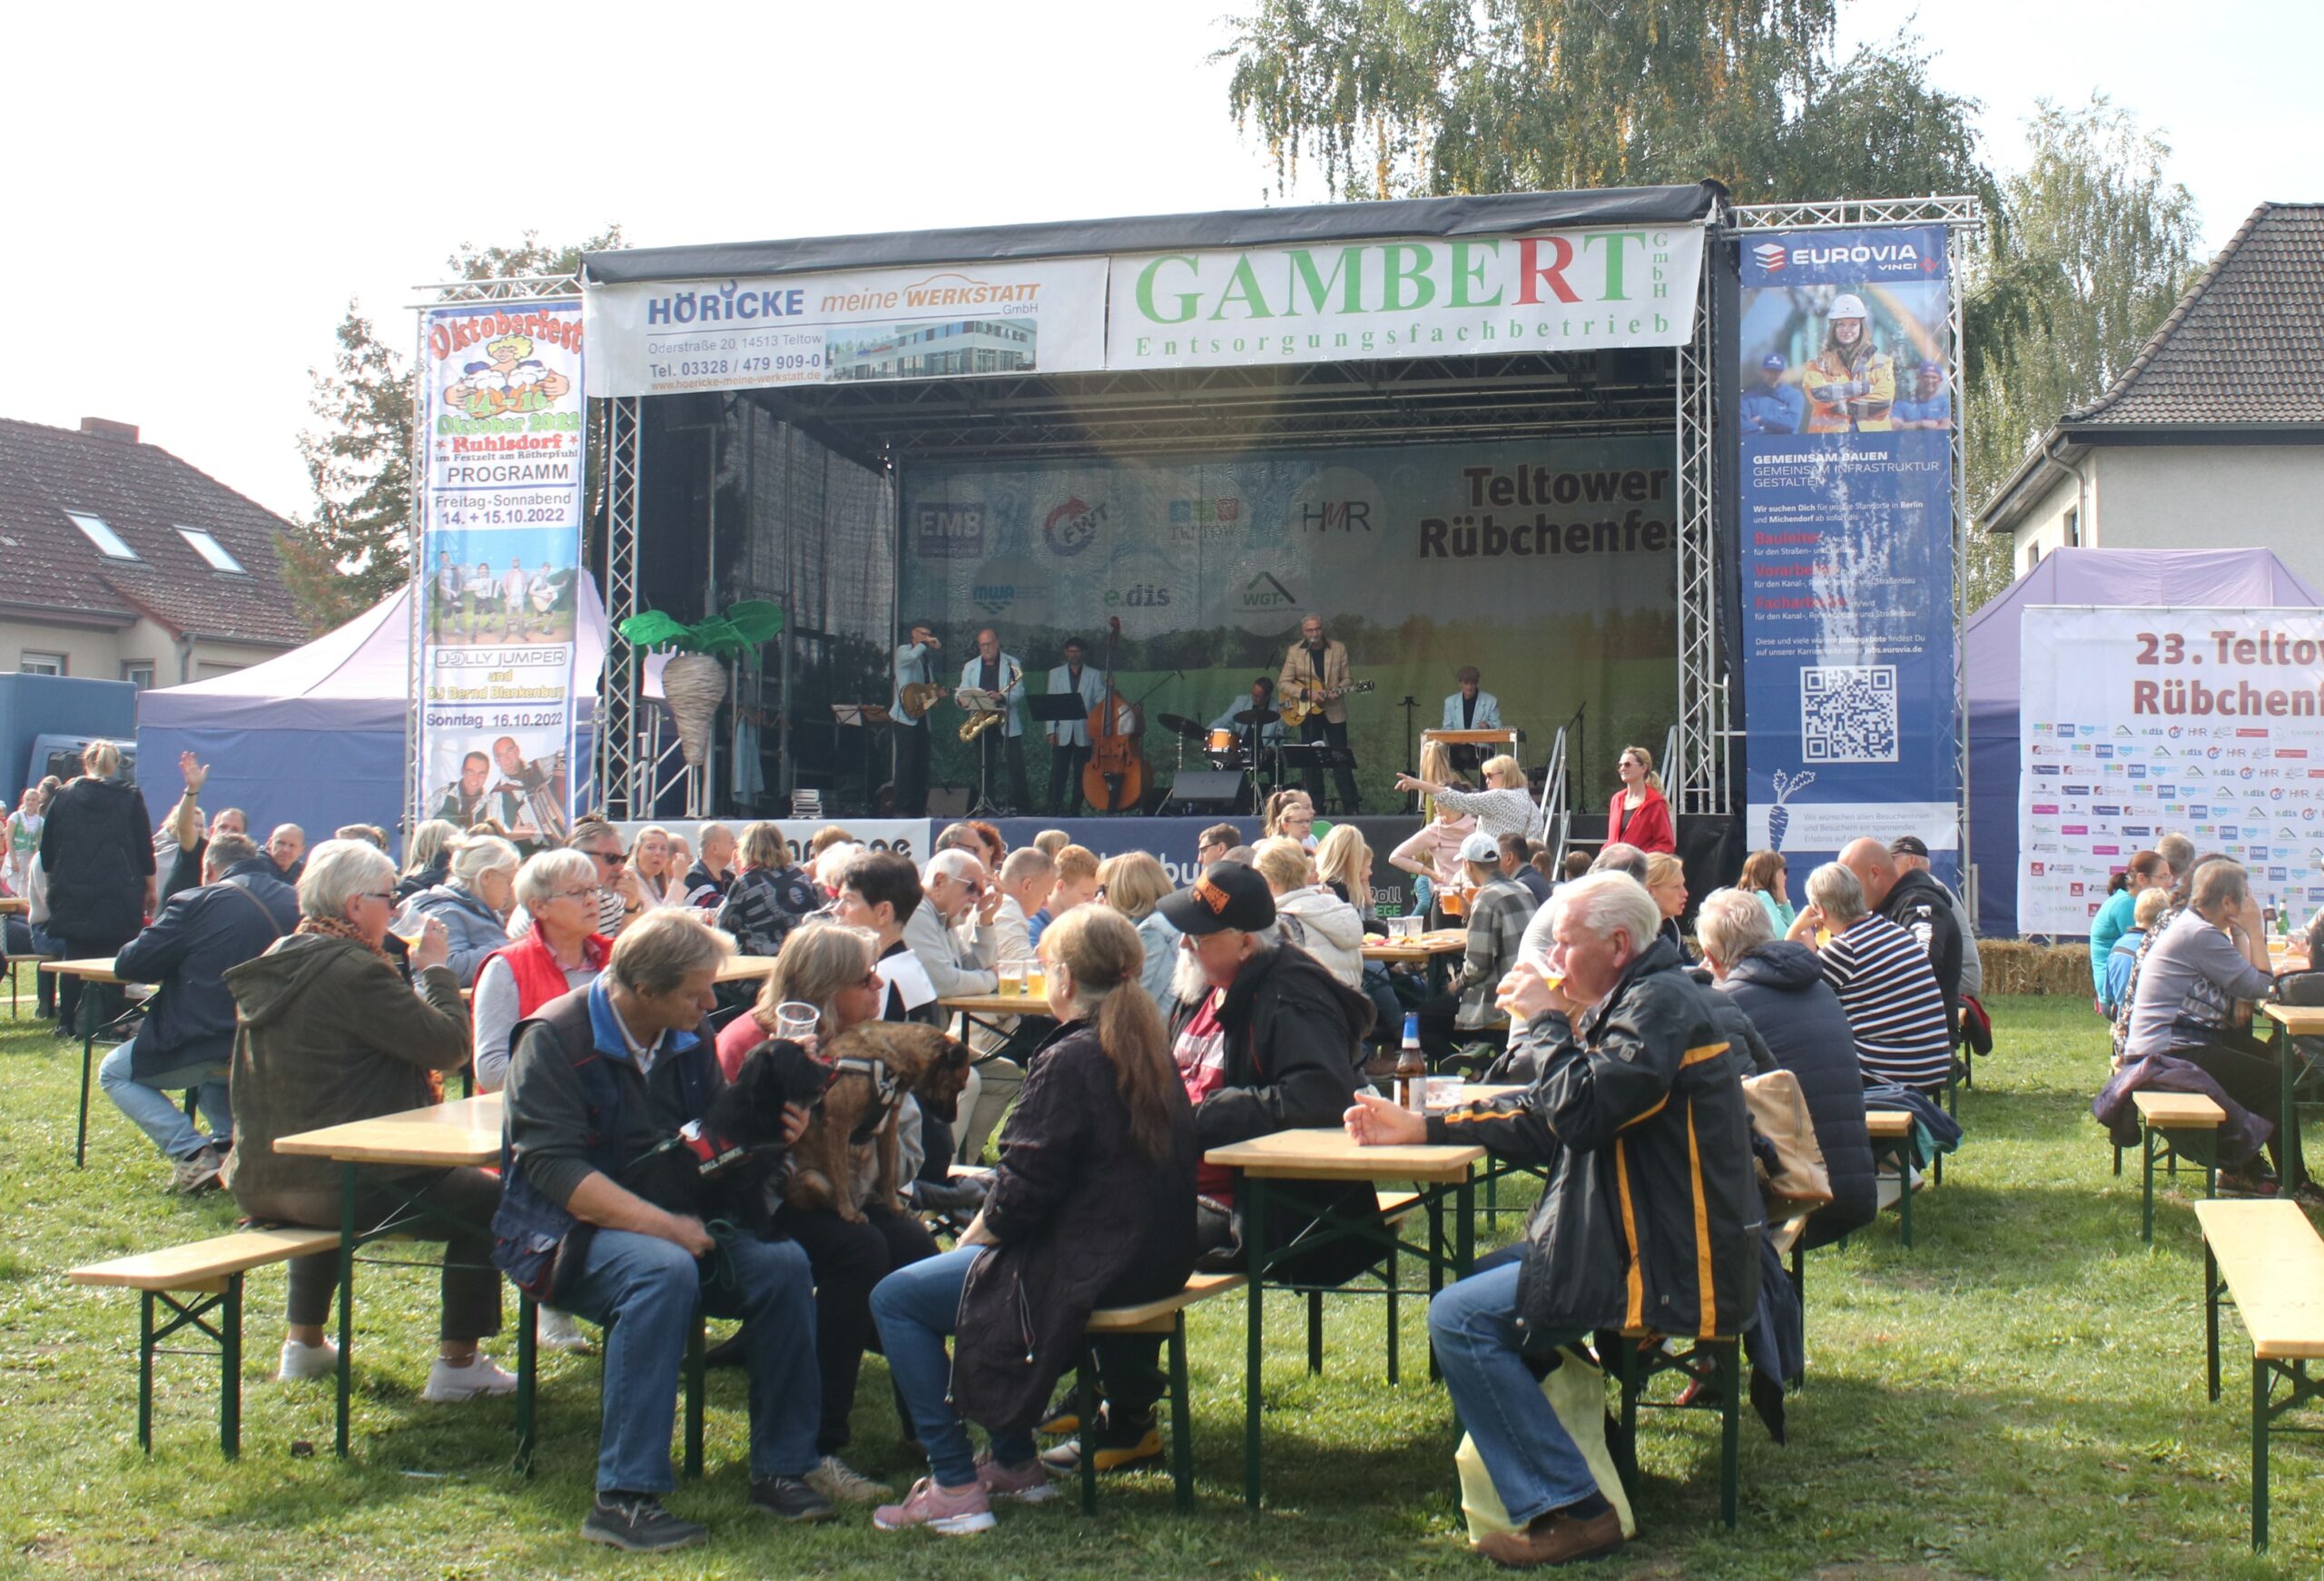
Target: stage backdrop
(497, 562)
(1850, 703)
(2137, 722)
(1546, 565)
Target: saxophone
(980, 721)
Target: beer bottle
(1412, 1071)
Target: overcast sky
(194, 194)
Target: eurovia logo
(1771, 255)
(1072, 527)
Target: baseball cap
(1230, 896)
(1774, 360)
(1907, 845)
(1481, 848)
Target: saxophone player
(999, 677)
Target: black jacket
(97, 854)
(1293, 1059)
(190, 1021)
(1780, 986)
(1920, 905)
(1084, 1220)
(1650, 1217)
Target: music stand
(856, 716)
(1058, 708)
(978, 705)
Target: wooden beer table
(90, 972)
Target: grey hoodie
(1327, 928)
(329, 1034)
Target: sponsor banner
(2209, 723)
(1851, 709)
(1550, 565)
(1548, 291)
(937, 322)
(498, 565)
(904, 836)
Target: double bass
(1114, 779)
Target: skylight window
(108, 541)
(212, 550)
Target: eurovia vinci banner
(498, 565)
(2135, 722)
(1846, 483)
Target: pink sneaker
(1026, 1483)
(956, 1512)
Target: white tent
(316, 736)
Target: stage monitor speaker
(1206, 789)
(949, 801)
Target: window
(2073, 527)
(95, 530)
(138, 673)
(212, 550)
(2032, 556)
(40, 664)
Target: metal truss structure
(1857, 213)
(1695, 772)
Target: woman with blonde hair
(1503, 807)
(1092, 1205)
(649, 858)
(1638, 816)
(1289, 813)
(1134, 884)
(1313, 917)
(834, 967)
(473, 903)
(1666, 881)
(1344, 865)
(425, 858)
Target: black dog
(728, 1166)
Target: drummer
(1238, 718)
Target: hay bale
(2016, 966)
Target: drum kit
(1227, 747)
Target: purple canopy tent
(2104, 578)
(316, 736)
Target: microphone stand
(1411, 707)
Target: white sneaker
(306, 1361)
(197, 1171)
(841, 1482)
(448, 1385)
(556, 1331)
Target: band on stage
(1290, 727)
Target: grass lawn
(2021, 1395)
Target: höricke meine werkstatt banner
(2133, 722)
(498, 565)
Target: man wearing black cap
(1912, 856)
(1265, 1040)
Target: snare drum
(1220, 740)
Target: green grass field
(2021, 1395)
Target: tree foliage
(354, 548)
(1429, 97)
(2092, 246)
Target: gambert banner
(2209, 723)
(498, 565)
(1851, 706)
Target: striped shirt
(1894, 1005)
(1508, 811)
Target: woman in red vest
(1638, 816)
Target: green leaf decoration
(743, 626)
(652, 628)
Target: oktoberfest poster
(498, 567)
(2134, 721)
(1846, 409)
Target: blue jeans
(644, 1288)
(916, 1307)
(1534, 1464)
(158, 1115)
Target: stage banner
(942, 321)
(1550, 565)
(1546, 290)
(498, 563)
(1845, 480)
(2133, 722)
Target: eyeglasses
(872, 980)
(613, 856)
(387, 895)
(574, 894)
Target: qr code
(1848, 712)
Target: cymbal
(1179, 725)
(1258, 716)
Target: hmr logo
(1344, 515)
(1770, 255)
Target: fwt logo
(1072, 527)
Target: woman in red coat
(1638, 816)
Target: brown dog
(922, 1061)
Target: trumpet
(980, 720)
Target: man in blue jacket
(242, 907)
(1772, 406)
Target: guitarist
(912, 667)
(1315, 672)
